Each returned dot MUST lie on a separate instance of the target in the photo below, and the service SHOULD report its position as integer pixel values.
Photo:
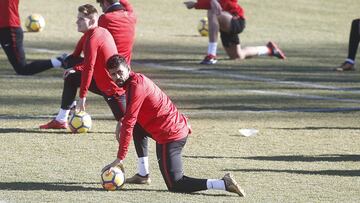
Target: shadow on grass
(38, 131)
(346, 173)
(48, 186)
(212, 157)
(289, 158)
(319, 128)
(74, 186)
(29, 130)
(301, 158)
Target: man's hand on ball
(80, 106)
(116, 163)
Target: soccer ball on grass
(79, 122)
(203, 27)
(113, 179)
(34, 23)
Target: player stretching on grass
(11, 38)
(228, 17)
(97, 45)
(354, 39)
(160, 119)
(119, 19)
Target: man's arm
(136, 95)
(79, 47)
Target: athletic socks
(212, 47)
(63, 115)
(143, 166)
(350, 61)
(55, 63)
(263, 51)
(215, 184)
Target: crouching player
(228, 17)
(152, 109)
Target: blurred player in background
(11, 38)
(349, 63)
(228, 17)
(120, 20)
(148, 105)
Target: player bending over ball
(11, 39)
(228, 17)
(148, 105)
(354, 39)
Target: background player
(228, 17)
(148, 105)
(349, 63)
(11, 39)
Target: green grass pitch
(307, 148)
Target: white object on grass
(248, 132)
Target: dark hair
(116, 61)
(87, 9)
(109, 1)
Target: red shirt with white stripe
(9, 11)
(149, 106)
(230, 6)
(98, 46)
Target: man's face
(83, 23)
(120, 75)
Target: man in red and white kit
(152, 109)
(11, 39)
(227, 16)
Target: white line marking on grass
(263, 92)
(253, 78)
(246, 77)
(41, 50)
(202, 113)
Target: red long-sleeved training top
(148, 105)
(121, 25)
(98, 46)
(230, 6)
(9, 11)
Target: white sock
(350, 61)
(143, 165)
(63, 115)
(263, 50)
(73, 104)
(212, 47)
(215, 184)
(55, 63)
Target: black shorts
(231, 37)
